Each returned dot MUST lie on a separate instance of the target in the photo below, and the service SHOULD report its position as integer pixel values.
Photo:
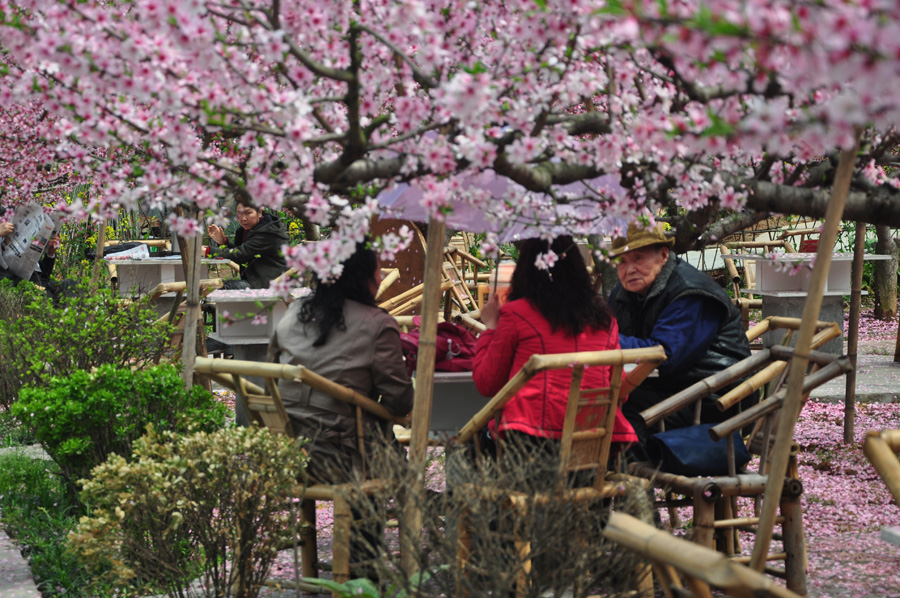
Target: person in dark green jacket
(256, 246)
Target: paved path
(15, 576)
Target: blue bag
(692, 452)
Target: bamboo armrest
(298, 373)
(449, 251)
(802, 231)
(694, 560)
(391, 277)
(536, 364)
(207, 285)
(881, 450)
(838, 367)
(284, 275)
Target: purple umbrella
(487, 202)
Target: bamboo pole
(882, 456)
(205, 365)
(859, 248)
(387, 281)
(791, 410)
(421, 415)
(98, 260)
(192, 309)
(692, 559)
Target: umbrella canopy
(489, 203)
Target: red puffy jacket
(539, 408)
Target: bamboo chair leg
(674, 520)
(341, 559)
(794, 545)
(721, 535)
(523, 552)
(704, 519)
(308, 551)
(668, 579)
(463, 553)
(699, 589)
(644, 578)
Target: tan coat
(366, 357)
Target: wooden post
(859, 249)
(421, 415)
(793, 401)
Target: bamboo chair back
(881, 449)
(584, 445)
(715, 498)
(266, 408)
(265, 405)
(177, 313)
(590, 412)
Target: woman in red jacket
(550, 309)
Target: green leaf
(476, 68)
(718, 128)
(613, 7)
(713, 24)
(542, 4)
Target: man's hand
(490, 313)
(52, 245)
(6, 228)
(216, 233)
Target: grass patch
(12, 433)
(36, 514)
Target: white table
(140, 276)
(241, 306)
(784, 292)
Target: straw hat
(640, 237)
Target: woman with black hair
(339, 333)
(553, 309)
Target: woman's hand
(216, 233)
(6, 228)
(490, 313)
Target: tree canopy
(722, 107)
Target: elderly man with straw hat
(662, 300)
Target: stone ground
(850, 565)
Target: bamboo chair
(714, 499)
(881, 450)
(176, 315)
(700, 566)
(585, 444)
(266, 409)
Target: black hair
(325, 308)
(563, 294)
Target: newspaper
(23, 248)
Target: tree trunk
(885, 285)
(310, 230)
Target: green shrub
(214, 505)
(39, 340)
(83, 418)
(37, 514)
